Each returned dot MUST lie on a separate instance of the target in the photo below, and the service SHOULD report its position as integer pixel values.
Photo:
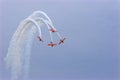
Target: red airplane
(53, 30)
(52, 44)
(61, 41)
(40, 39)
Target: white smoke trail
(19, 50)
(28, 46)
(18, 55)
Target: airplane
(61, 41)
(40, 39)
(52, 44)
(53, 30)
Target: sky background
(92, 48)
